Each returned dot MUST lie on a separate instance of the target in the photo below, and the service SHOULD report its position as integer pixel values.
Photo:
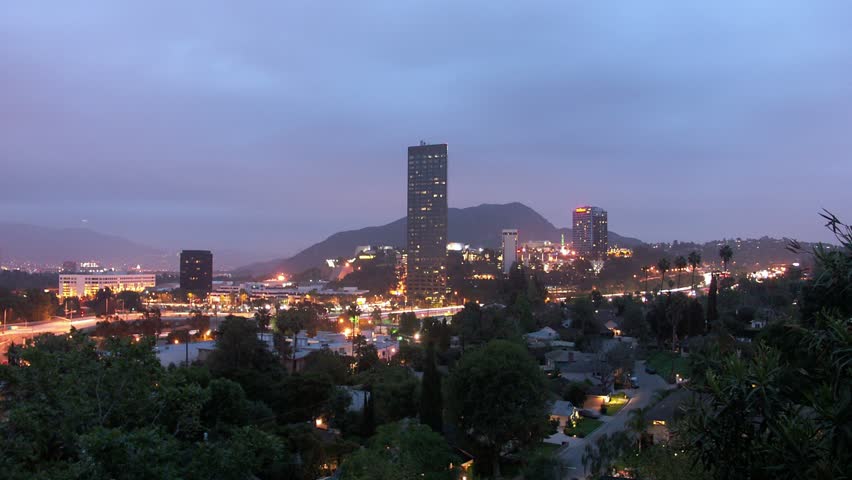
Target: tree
(726, 253)
(583, 312)
(782, 411)
(663, 266)
(679, 265)
(376, 316)
(431, 399)
(712, 299)
(401, 451)
(497, 394)
(368, 416)
(238, 348)
(263, 316)
(618, 362)
(597, 298)
(645, 270)
(637, 423)
(542, 467)
(694, 260)
(409, 324)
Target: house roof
(558, 355)
(610, 325)
(671, 406)
(562, 408)
(545, 333)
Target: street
(649, 385)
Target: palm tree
(645, 270)
(726, 253)
(353, 311)
(262, 316)
(663, 266)
(694, 260)
(638, 422)
(680, 265)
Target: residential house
(564, 412)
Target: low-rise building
(88, 284)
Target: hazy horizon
(269, 127)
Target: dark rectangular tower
(426, 281)
(196, 271)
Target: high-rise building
(590, 232)
(426, 280)
(510, 249)
(196, 271)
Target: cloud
(291, 120)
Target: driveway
(572, 455)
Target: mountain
(22, 244)
(478, 226)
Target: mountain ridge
(41, 245)
(478, 226)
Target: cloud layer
(268, 126)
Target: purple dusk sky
(268, 125)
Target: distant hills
(478, 226)
(37, 245)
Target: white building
(88, 284)
(386, 345)
(510, 249)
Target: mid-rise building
(426, 276)
(590, 232)
(88, 284)
(196, 271)
(510, 249)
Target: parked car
(589, 413)
(634, 382)
(650, 370)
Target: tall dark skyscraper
(426, 281)
(591, 232)
(196, 271)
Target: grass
(616, 403)
(662, 363)
(584, 427)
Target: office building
(196, 271)
(88, 284)
(590, 233)
(510, 249)
(426, 276)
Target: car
(589, 413)
(634, 382)
(650, 370)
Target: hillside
(478, 226)
(49, 246)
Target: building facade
(196, 271)
(510, 249)
(426, 276)
(591, 232)
(88, 284)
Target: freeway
(649, 385)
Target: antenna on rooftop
(422, 142)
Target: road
(572, 456)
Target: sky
(267, 126)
